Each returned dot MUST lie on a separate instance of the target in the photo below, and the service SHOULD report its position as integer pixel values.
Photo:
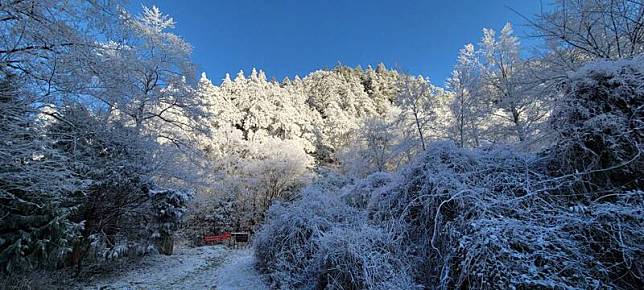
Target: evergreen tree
(36, 187)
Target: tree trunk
(166, 244)
(420, 130)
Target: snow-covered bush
(460, 218)
(358, 194)
(288, 245)
(600, 123)
(551, 246)
(438, 197)
(319, 242)
(489, 219)
(361, 257)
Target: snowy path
(213, 267)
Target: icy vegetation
(523, 172)
(570, 216)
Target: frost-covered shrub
(509, 252)
(551, 246)
(455, 218)
(361, 257)
(287, 246)
(489, 219)
(612, 230)
(358, 194)
(329, 180)
(319, 242)
(600, 123)
(437, 198)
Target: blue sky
(288, 37)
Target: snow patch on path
(210, 267)
(239, 273)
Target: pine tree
(36, 187)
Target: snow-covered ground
(238, 272)
(211, 267)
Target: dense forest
(524, 170)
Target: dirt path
(214, 267)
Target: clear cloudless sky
(290, 37)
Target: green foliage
(35, 188)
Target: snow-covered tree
(382, 85)
(417, 99)
(42, 42)
(592, 29)
(148, 77)
(261, 143)
(338, 96)
(468, 107)
(168, 210)
(518, 109)
(43, 45)
(99, 83)
(375, 148)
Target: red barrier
(216, 238)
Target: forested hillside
(523, 170)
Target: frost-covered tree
(168, 209)
(501, 84)
(381, 85)
(375, 148)
(279, 170)
(338, 96)
(261, 143)
(98, 82)
(468, 107)
(115, 169)
(417, 98)
(593, 29)
(267, 171)
(518, 109)
(320, 117)
(43, 41)
(147, 81)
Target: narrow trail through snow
(211, 267)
